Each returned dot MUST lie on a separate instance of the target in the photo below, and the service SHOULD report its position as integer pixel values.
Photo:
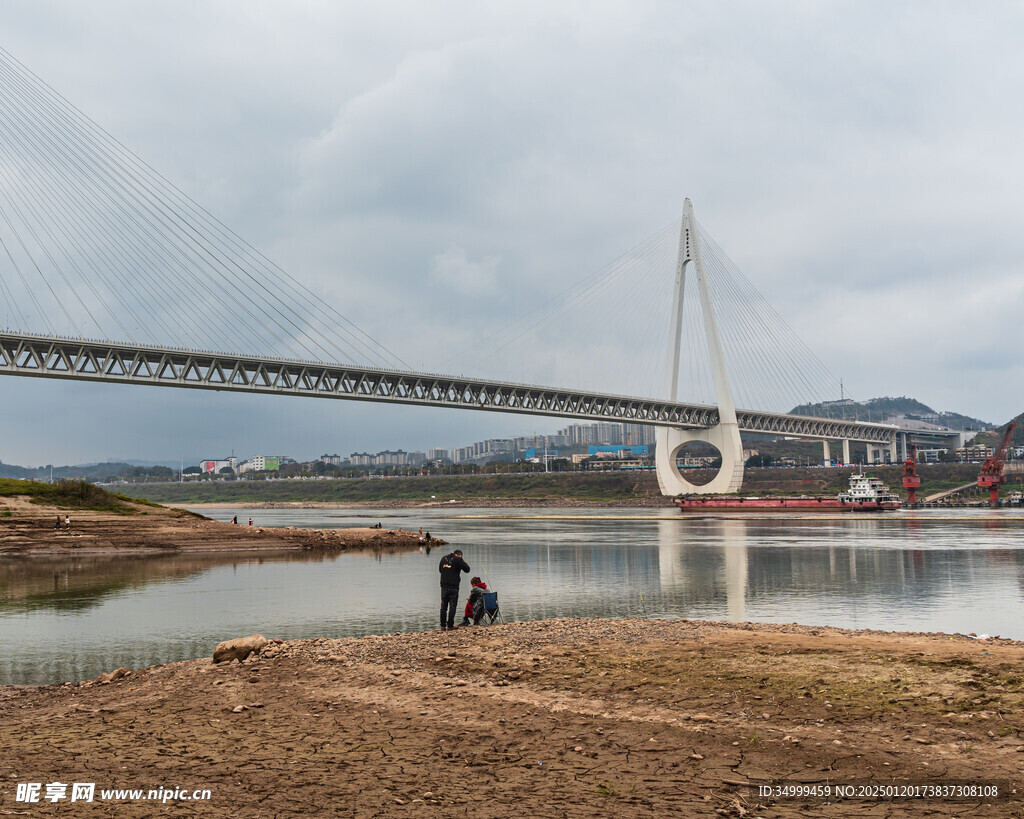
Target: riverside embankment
(569, 489)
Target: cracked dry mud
(560, 718)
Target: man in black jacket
(451, 568)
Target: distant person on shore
(250, 521)
(57, 524)
(475, 602)
(67, 521)
(234, 520)
(451, 568)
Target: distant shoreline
(471, 503)
(587, 489)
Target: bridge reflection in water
(870, 572)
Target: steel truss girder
(87, 360)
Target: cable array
(770, 367)
(609, 332)
(95, 243)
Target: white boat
(865, 490)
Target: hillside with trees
(880, 410)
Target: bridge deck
(89, 360)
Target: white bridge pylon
(725, 435)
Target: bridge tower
(725, 436)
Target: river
(931, 570)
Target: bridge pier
(827, 450)
(877, 452)
(724, 437)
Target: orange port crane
(910, 479)
(991, 475)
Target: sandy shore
(29, 529)
(560, 718)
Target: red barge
(864, 495)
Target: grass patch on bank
(71, 494)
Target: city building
(265, 463)
(973, 454)
(214, 467)
(608, 433)
(388, 457)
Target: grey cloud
(857, 160)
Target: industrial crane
(991, 475)
(910, 479)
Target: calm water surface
(71, 618)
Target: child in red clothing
(475, 603)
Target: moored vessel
(865, 494)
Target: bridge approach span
(89, 360)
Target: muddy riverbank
(36, 529)
(558, 718)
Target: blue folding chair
(491, 610)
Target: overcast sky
(433, 170)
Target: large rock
(111, 676)
(239, 648)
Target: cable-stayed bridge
(98, 246)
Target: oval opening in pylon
(698, 462)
